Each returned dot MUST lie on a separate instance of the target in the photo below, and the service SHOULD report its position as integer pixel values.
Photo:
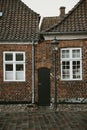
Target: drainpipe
(33, 100)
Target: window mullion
(73, 59)
(13, 71)
(10, 75)
(71, 69)
(70, 64)
(14, 74)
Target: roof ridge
(67, 15)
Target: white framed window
(1, 14)
(14, 66)
(71, 64)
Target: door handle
(39, 83)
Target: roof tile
(74, 21)
(18, 21)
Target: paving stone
(43, 119)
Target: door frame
(44, 86)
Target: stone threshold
(35, 108)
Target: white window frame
(70, 59)
(14, 63)
(1, 14)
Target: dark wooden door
(44, 87)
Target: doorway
(44, 87)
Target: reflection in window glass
(76, 69)
(76, 53)
(71, 64)
(8, 57)
(65, 54)
(9, 67)
(66, 69)
(19, 67)
(14, 66)
(19, 57)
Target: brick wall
(75, 89)
(43, 58)
(22, 91)
(16, 91)
(65, 89)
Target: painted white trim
(14, 64)
(71, 59)
(1, 14)
(18, 43)
(65, 37)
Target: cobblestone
(72, 107)
(43, 118)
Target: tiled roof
(75, 20)
(18, 22)
(48, 22)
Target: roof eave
(18, 40)
(59, 33)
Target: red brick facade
(16, 91)
(65, 89)
(21, 24)
(74, 89)
(22, 91)
(73, 26)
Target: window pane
(66, 76)
(19, 57)
(76, 53)
(19, 72)
(8, 57)
(9, 75)
(20, 75)
(65, 53)
(65, 65)
(9, 67)
(14, 66)
(71, 63)
(19, 67)
(76, 69)
(66, 70)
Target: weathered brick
(22, 91)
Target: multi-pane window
(14, 66)
(71, 64)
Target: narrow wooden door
(44, 87)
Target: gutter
(59, 33)
(33, 78)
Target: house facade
(71, 33)
(19, 26)
(26, 56)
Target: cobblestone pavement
(43, 119)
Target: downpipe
(33, 78)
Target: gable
(48, 22)
(18, 23)
(75, 21)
